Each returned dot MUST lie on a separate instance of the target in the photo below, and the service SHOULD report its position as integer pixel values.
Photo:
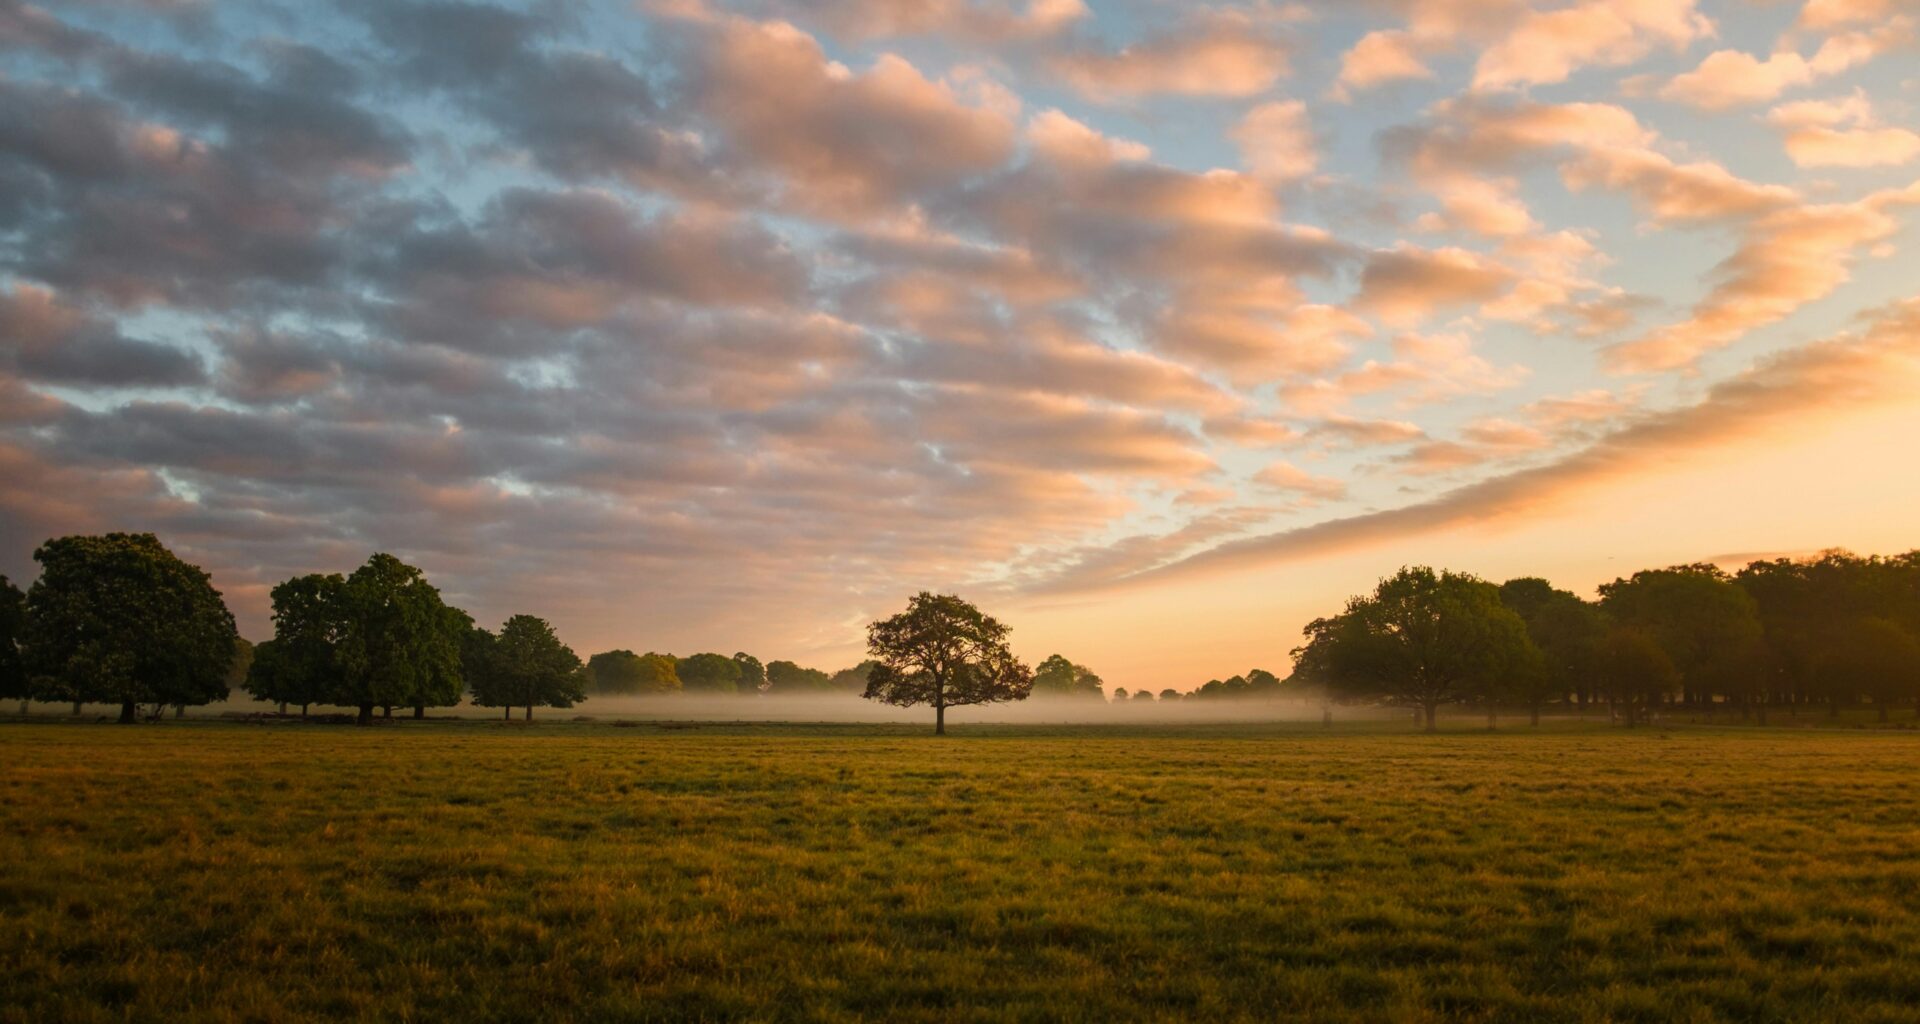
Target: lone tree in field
(944, 652)
(1420, 640)
(528, 666)
(118, 619)
(13, 619)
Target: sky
(1154, 328)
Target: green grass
(446, 871)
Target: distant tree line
(118, 619)
(1835, 630)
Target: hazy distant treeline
(119, 619)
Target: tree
(1119, 695)
(1262, 684)
(1569, 633)
(622, 673)
(300, 663)
(1058, 677)
(1142, 694)
(13, 620)
(400, 643)
(1874, 657)
(708, 673)
(1421, 639)
(1169, 694)
(944, 652)
(1709, 627)
(785, 677)
(1635, 670)
(528, 666)
(852, 680)
(753, 675)
(120, 619)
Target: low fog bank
(834, 708)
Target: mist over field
(849, 708)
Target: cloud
(1407, 284)
(1825, 379)
(1841, 133)
(1288, 478)
(1379, 57)
(1213, 52)
(1548, 46)
(1276, 141)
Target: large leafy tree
(1634, 672)
(401, 644)
(1569, 633)
(300, 664)
(946, 653)
(708, 673)
(120, 619)
(529, 667)
(1708, 627)
(853, 680)
(1422, 639)
(13, 620)
(1058, 677)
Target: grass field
(444, 871)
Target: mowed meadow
(470, 870)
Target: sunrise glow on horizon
(1156, 329)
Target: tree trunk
(366, 715)
(1536, 716)
(419, 711)
(76, 708)
(179, 711)
(303, 711)
(283, 707)
(939, 719)
(387, 711)
(529, 712)
(509, 713)
(126, 712)
(23, 707)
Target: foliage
(529, 667)
(1707, 626)
(1875, 657)
(1058, 677)
(853, 680)
(13, 622)
(1422, 639)
(400, 645)
(753, 675)
(785, 677)
(708, 673)
(119, 619)
(1636, 671)
(310, 619)
(945, 653)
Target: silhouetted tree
(1569, 633)
(529, 667)
(853, 680)
(1170, 694)
(119, 619)
(787, 678)
(1058, 677)
(1421, 639)
(13, 621)
(1262, 684)
(1874, 657)
(1709, 627)
(708, 673)
(310, 619)
(1635, 672)
(1120, 695)
(753, 675)
(400, 641)
(944, 652)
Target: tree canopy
(13, 621)
(786, 677)
(1058, 677)
(528, 667)
(708, 673)
(1422, 639)
(946, 653)
(120, 619)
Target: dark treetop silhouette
(944, 652)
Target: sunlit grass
(447, 871)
